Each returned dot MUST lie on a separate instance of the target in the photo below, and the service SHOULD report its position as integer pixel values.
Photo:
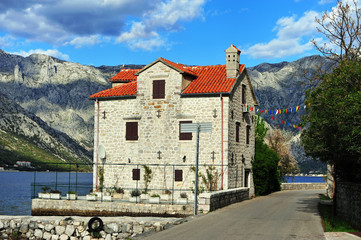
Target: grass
(333, 223)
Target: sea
(18, 188)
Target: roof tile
(125, 75)
(127, 89)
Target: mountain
(56, 94)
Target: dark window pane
(243, 94)
(247, 134)
(237, 132)
(131, 131)
(136, 174)
(178, 175)
(158, 89)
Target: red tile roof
(211, 79)
(127, 89)
(125, 75)
(208, 79)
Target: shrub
(155, 195)
(135, 193)
(183, 195)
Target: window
(243, 94)
(247, 173)
(158, 89)
(184, 136)
(136, 174)
(237, 131)
(247, 134)
(131, 131)
(178, 175)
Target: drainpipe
(222, 140)
(97, 145)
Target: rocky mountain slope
(56, 93)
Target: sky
(192, 32)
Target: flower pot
(55, 196)
(71, 196)
(182, 201)
(134, 199)
(118, 195)
(44, 195)
(107, 198)
(154, 200)
(144, 196)
(91, 197)
(165, 197)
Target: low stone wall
(212, 201)
(348, 202)
(303, 186)
(48, 207)
(76, 228)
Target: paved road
(281, 215)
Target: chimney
(232, 58)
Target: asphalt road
(281, 215)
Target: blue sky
(192, 32)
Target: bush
(266, 175)
(155, 195)
(135, 193)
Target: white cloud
(322, 2)
(6, 41)
(85, 41)
(293, 37)
(49, 52)
(84, 22)
(167, 16)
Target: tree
(266, 176)
(287, 164)
(333, 120)
(342, 28)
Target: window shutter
(178, 175)
(247, 134)
(136, 174)
(158, 89)
(131, 131)
(237, 131)
(184, 136)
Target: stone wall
(212, 201)
(101, 208)
(303, 186)
(348, 201)
(74, 228)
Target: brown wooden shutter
(158, 89)
(184, 136)
(131, 131)
(136, 174)
(237, 131)
(247, 134)
(178, 175)
(243, 94)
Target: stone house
(137, 121)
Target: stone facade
(158, 145)
(303, 186)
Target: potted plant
(134, 196)
(44, 194)
(118, 193)
(166, 195)
(108, 195)
(91, 196)
(55, 194)
(147, 179)
(144, 195)
(183, 198)
(154, 198)
(71, 195)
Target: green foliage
(333, 120)
(135, 193)
(266, 175)
(260, 128)
(155, 195)
(333, 223)
(147, 177)
(101, 178)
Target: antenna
(101, 152)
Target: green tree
(266, 176)
(333, 120)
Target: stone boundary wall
(49, 207)
(76, 228)
(212, 201)
(303, 186)
(348, 202)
